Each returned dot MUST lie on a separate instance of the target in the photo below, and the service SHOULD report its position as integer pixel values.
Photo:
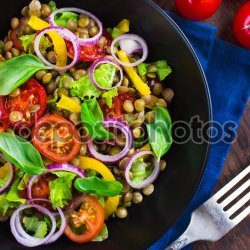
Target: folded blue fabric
(227, 69)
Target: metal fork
(213, 219)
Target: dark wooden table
(239, 155)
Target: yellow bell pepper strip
(69, 104)
(146, 147)
(123, 26)
(59, 44)
(93, 164)
(141, 86)
(4, 170)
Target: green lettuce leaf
(32, 224)
(104, 75)
(23, 182)
(60, 189)
(140, 170)
(11, 199)
(161, 69)
(92, 118)
(28, 43)
(107, 97)
(103, 235)
(52, 5)
(84, 89)
(62, 18)
(97, 186)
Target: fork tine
(242, 215)
(235, 194)
(238, 205)
(232, 183)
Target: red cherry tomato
(92, 53)
(241, 26)
(16, 41)
(24, 109)
(197, 9)
(56, 138)
(85, 219)
(117, 108)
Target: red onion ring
(125, 129)
(59, 233)
(136, 38)
(95, 65)
(150, 179)
(130, 46)
(64, 33)
(11, 179)
(21, 236)
(52, 168)
(83, 41)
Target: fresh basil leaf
(18, 70)
(92, 118)
(21, 153)
(100, 187)
(160, 132)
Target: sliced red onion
(64, 33)
(135, 38)
(150, 179)
(95, 65)
(130, 46)
(66, 167)
(59, 233)
(21, 236)
(83, 41)
(52, 168)
(125, 129)
(7, 185)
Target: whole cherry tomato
(241, 26)
(197, 9)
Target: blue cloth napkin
(227, 69)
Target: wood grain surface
(239, 155)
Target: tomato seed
(16, 116)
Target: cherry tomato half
(92, 53)
(26, 107)
(197, 9)
(241, 26)
(56, 138)
(117, 108)
(85, 219)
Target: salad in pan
(83, 124)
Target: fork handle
(181, 242)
